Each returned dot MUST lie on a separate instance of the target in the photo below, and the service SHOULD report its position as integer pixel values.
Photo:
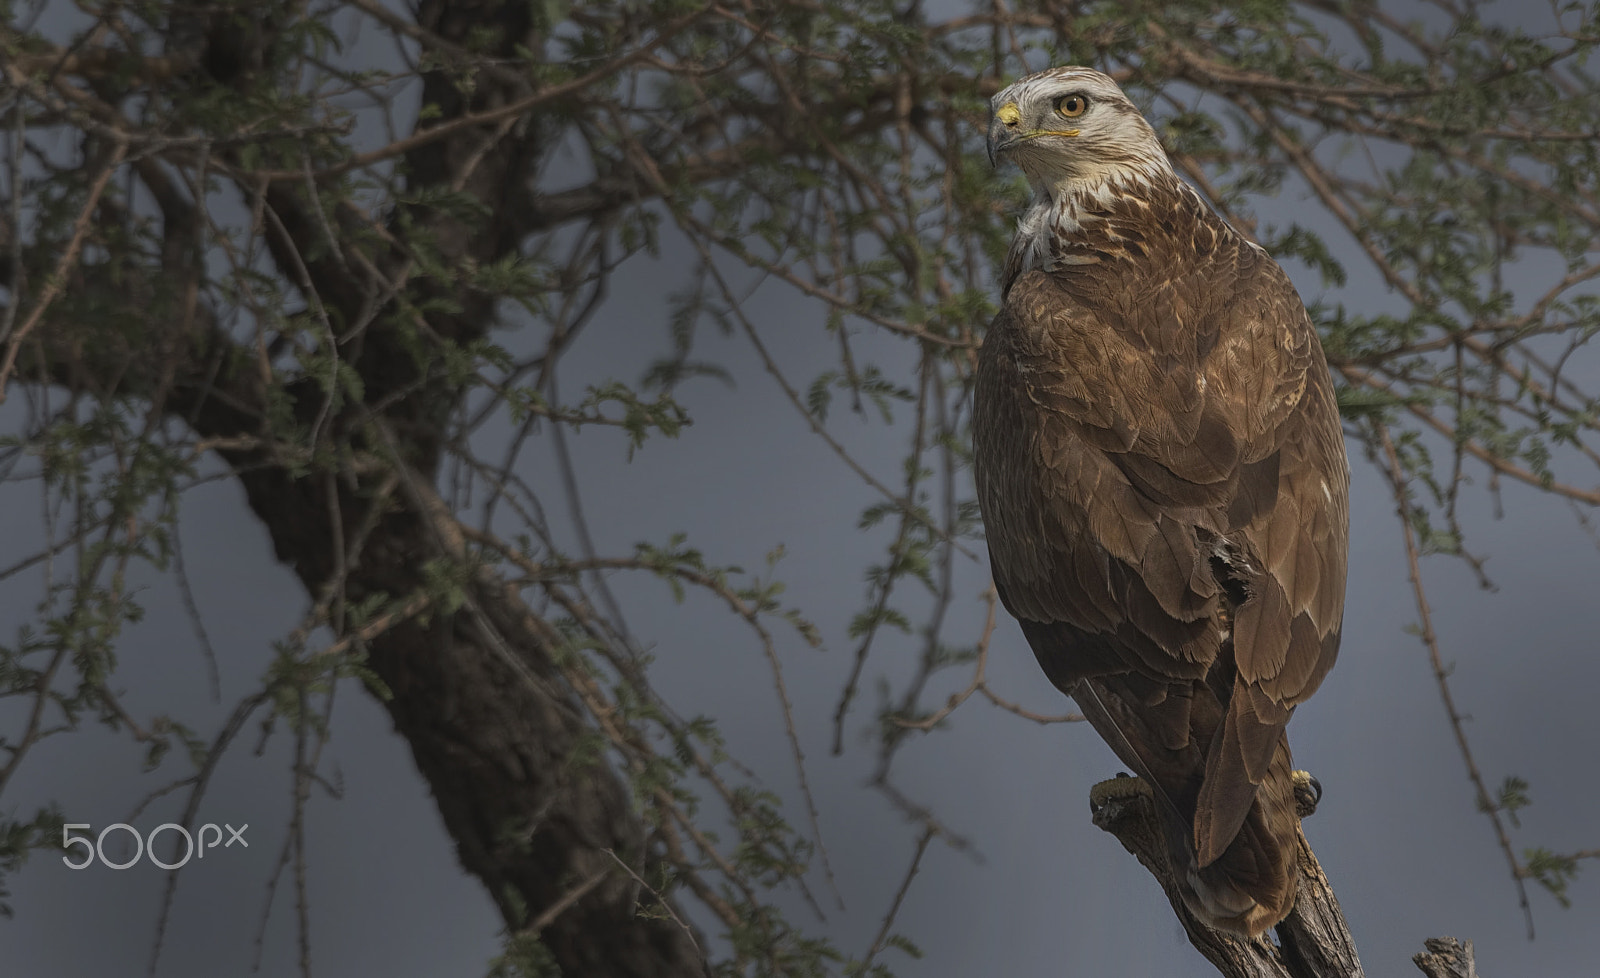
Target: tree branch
(1446, 957)
(1313, 941)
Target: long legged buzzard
(1163, 482)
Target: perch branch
(1312, 942)
(1446, 957)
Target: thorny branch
(1400, 486)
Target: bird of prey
(1163, 482)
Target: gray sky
(1051, 895)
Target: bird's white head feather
(1073, 131)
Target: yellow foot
(1307, 793)
(1120, 788)
(1112, 802)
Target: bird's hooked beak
(1005, 131)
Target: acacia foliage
(323, 249)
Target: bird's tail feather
(1250, 885)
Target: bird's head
(1072, 125)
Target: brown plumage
(1163, 483)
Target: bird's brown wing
(1163, 484)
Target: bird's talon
(1307, 793)
(1119, 788)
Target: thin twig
(1398, 483)
(665, 903)
(878, 942)
(58, 278)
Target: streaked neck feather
(1070, 205)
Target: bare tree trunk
(497, 733)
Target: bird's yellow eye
(1071, 106)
